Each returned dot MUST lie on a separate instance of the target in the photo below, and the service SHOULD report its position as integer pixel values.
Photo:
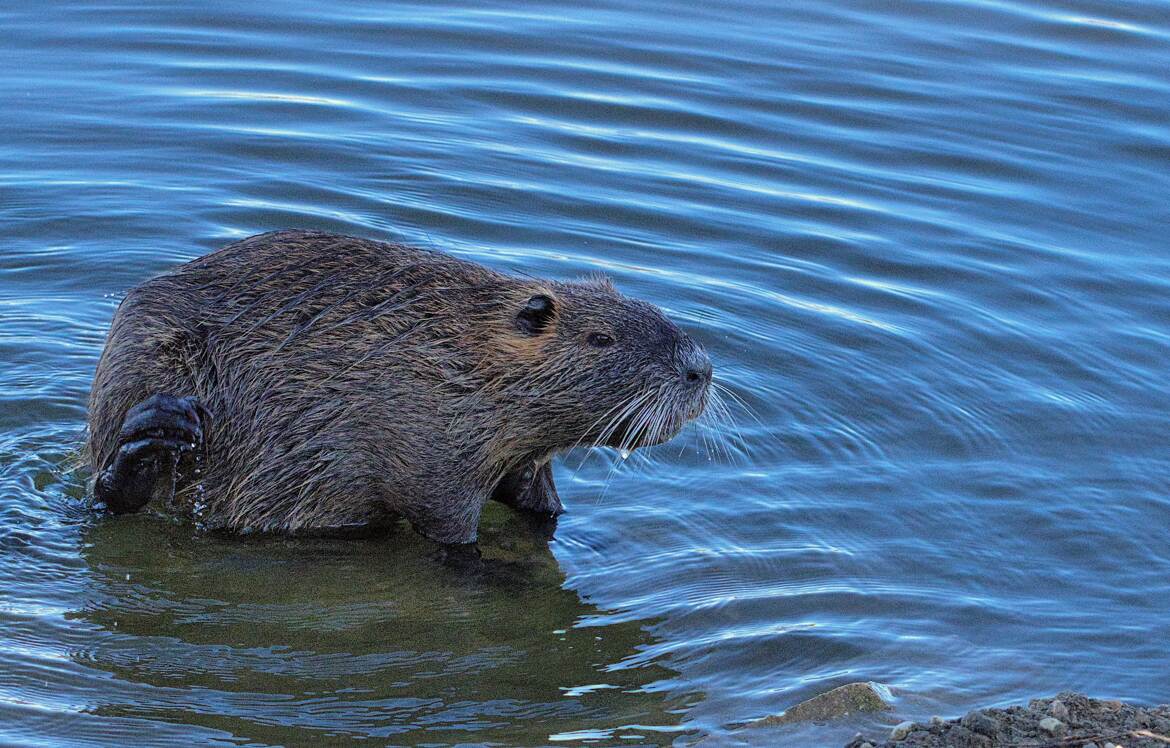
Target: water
(925, 242)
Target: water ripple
(924, 245)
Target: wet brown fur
(351, 382)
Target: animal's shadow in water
(277, 640)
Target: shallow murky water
(924, 242)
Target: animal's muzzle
(693, 364)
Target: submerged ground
(924, 242)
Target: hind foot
(157, 434)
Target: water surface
(924, 242)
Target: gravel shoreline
(1069, 720)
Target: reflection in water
(278, 640)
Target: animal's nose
(696, 367)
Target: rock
(840, 702)
(961, 737)
(937, 721)
(1052, 726)
(1058, 710)
(1040, 725)
(901, 730)
(981, 723)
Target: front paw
(530, 488)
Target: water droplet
(625, 453)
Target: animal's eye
(600, 340)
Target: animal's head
(597, 368)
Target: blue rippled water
(925, 243)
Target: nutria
(301, 381)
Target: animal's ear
(536, 314)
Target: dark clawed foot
(174, 420)
(156, 435)
(530, 489)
